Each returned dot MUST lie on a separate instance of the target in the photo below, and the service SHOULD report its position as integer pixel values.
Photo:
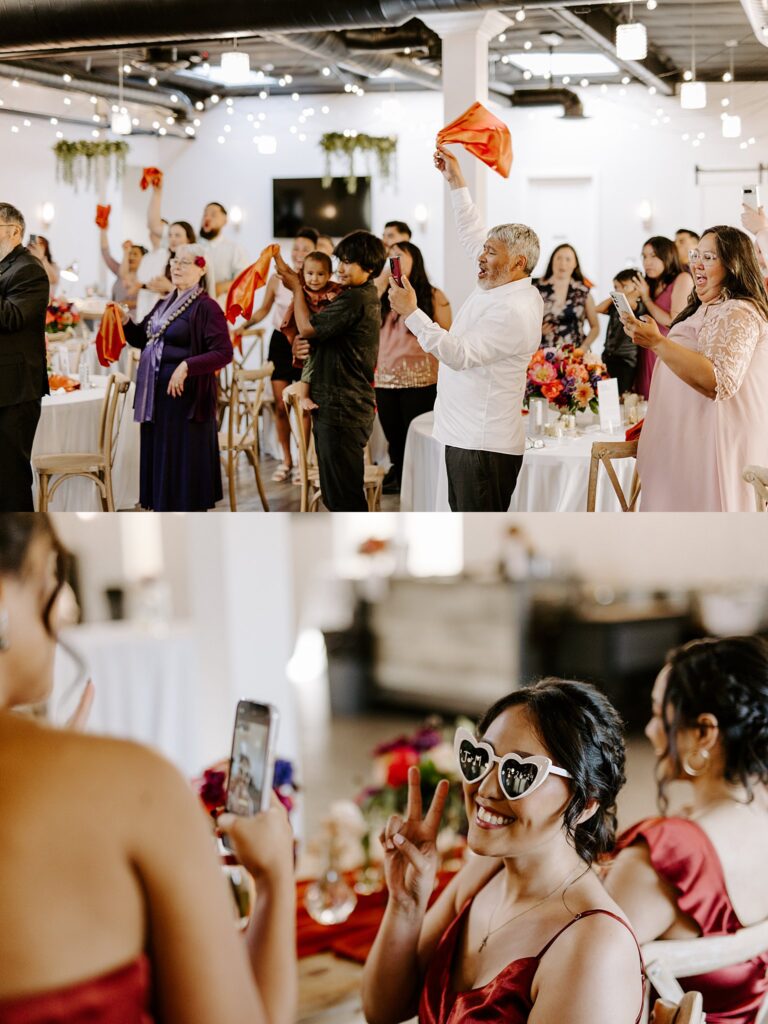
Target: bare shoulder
(441, 299)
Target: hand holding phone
(750, 196)
(395, 270)
(251, 766)
(621, 302)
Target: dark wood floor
(282, 497)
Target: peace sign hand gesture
(410, 848)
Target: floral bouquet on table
(430, 748)
(565, 377)
(61, 316)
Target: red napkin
(352, 939)
(483, 135)
(102, 216)
(110, 341)
(633, 432)
(152, 176)
(244, 287)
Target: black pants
(480, 481)
(340, 460)
(623, 371)
(18, 424)
(397, 407)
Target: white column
(465, 80)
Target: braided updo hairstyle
(727, 678)
(583, 733)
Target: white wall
(616, 148)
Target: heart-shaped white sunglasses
(518, 776)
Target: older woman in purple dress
(184, 343)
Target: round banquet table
(553, 478)
(147, 685)
(69, 422)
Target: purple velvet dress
(180, 467)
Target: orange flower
(584, 394)
(552, 390)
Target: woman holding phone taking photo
(406, 375)
(129, 920)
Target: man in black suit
(24, 292)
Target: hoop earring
(4, 642)
(691, 769)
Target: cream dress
(693, 449)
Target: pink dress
(646, 360)
(693, 450)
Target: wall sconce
(47, 213)
(236, 216)
(421, 215)
(645, 213)
(71, 273)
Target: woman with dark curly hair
(703, 872)
(505, 940)
(707, 414)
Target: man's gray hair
(520, 240)
(10, 215)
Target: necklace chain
(492, 931)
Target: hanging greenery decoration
(78, 161)
(348, 143)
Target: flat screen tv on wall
(300, 202)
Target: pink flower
(542, 373)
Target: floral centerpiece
(430, 748)
(565, 377)
(61, 318)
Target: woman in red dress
(113, 907)
(703, 872)
(505, 942)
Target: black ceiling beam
(598, 27)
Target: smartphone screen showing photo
(250, 769)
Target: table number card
(610, 410)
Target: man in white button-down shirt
(484, 356)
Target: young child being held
(620, 353)
(320, 291)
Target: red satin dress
(683, 855)
(506, 999)
(120, 997)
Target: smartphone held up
(251, 766)
(396, 270)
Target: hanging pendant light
(731, 123)
(693, 94)
(235, 66)
(121, 119)
(631, 40)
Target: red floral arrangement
(60, 315)
(212, 786)
(566, 377)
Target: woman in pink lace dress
(707, 412)
(664, 289)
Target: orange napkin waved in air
(483, 135)
(244, 287)
(152, 176)
(110, 341)
(102, 216)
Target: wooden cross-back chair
(241, 436)
(604, 453)
(95, 465)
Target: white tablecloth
(552, 479)
(147, 685)
(69, 422)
